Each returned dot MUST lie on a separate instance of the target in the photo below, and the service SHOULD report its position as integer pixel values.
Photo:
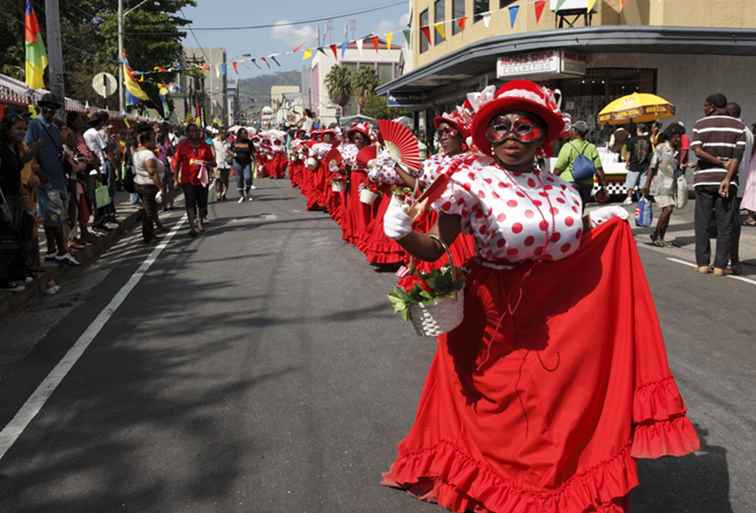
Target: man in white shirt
(733, 109)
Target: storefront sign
(541, 65)
(406, 99)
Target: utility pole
(121, 96)
(54, 49)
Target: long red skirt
(295, 173)
(360, 214)
(544, 410)
(318, 183)
(379, 249)
(280, 166)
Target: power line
(289, 24)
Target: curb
(14, 302)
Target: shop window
(385, 72)
(480, 7)
(423, 24)
(458, 11)
(439, 7)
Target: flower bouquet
(433, 301)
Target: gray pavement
(260, 369)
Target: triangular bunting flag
(217, 71)
(440, 30)
(389, 38)
(359, 43)
(407, 34)
(559, 4)
(539, 6)
(273, 58)
(621, 5)
(297, 48)
(344, 47)
(591, 5)
(307, 54)
(375, 42)
(514, 10)
(322, 50)
(426, 33)
(462, 22)
(265, 61)
(487, 20)
(254, 61)
(235, 66)
(334, 49)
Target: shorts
(633, 178)
(53, 206)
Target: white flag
(359, 45)
(487, 20)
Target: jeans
(150, 215)
(195, 198)
(709, 204)
(245, 178)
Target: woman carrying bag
(530, 405)
(148, 172)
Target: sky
(261, 42)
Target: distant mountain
(259, 88)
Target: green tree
(364, 82)
(339, 85)
(377, 107)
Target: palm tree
(364, 82)
(339, 84)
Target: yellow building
(682, 50)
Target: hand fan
(401, 143)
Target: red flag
(235, 65)
(539, 6)
(375, 41)
(426, 33)
(298, 47)
(463, 21)
(333, 49)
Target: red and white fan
(401, 143)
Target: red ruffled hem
(675, 437)
(447, 476)
(382, 252)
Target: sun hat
(516, 95)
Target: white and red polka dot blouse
(514, 216)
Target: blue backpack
(583, 167)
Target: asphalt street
(259, 369)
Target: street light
(121, 15)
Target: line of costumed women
(557, 378)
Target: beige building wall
(691, 13)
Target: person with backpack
(639, 151)
(579, 162)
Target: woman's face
(516, 137)
(449, 138)
(675, 140)
(359, 140)
(17, 131)
(242, 134)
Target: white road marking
(37, 400)
(691, 264)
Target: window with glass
(385, 72)
(439, 16)
(480, 7)
(423, 24)
(458, 11)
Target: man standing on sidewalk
(719, 141)
(733, 109)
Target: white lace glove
(604, 214)
(397, 222)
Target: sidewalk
(128, 217)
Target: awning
(481, 57)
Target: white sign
(544, 65)
(569, 4)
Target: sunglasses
(519, 127)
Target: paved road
(259, 369)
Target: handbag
(102, 196)
(644, 214)
(681, 192)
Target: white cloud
(293, 34)
(392, 25)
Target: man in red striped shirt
(718, 142)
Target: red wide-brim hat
(523, 96)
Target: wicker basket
(441, 316)
(368, 197)
(337, 186)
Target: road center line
(691, 264)
(37, 400)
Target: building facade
(210, 90)
(386, 61)
(682, 50)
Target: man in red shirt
(194, 161)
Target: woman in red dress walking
(557, 379)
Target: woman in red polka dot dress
(557, 379)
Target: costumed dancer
(296, 160)
(335, 192)
(557, 378)
(360, 214)
(279, 157)
(318, 196)
(310, 164)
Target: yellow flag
(441, 29)
(591, 4)
(389, 38)
(307, 54)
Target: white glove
(397, 223)
(604, 214)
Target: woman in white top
(147, 172)
(223, 164)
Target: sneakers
(67, 259)
(241, 199)
(51, 257)
(628, 201)
(110, 225)
(53, 289)
(249, 198)
(253, 187)
(721, 272)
